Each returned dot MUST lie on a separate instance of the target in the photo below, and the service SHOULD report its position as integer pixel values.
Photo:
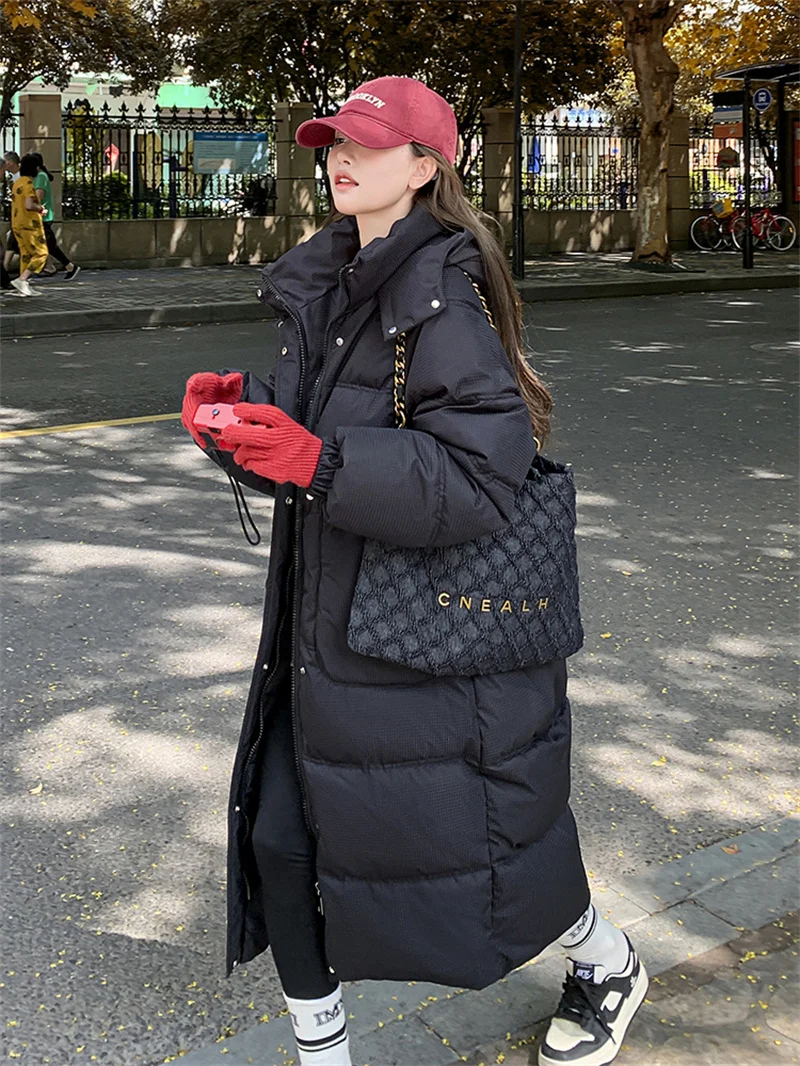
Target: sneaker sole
(611, 1049)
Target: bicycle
(724, 225)
(769, 230)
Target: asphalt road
(131, 610)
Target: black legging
(286, 860)
(52, 245)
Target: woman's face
(384, 177)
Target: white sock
(320, 1029)
(596, 946)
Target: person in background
(44, 194)
(10, 167)
(27, 226)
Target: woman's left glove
(276, 447)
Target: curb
(17, 326)
(645, 285)
(680, 909)
(59, 322)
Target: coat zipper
(296, 550)
(257, 741)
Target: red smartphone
(214, 417)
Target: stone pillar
(295, 179)
(680, 212)
(40, 131)
(498, 166)
(791, 145)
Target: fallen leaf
(733, 849)
(35, 791)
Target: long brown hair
(445, 198)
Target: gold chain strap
(400, 362)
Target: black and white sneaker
(594, 1013)
(70, 274)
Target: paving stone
(713, 1048)
(661, 886)
(517, 1002)
(671, 937)
(370, 1003)
(784, 1016)
(766, 893)
(406, 1043)
(266, 1044)
(616, 907)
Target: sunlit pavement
(132, 605)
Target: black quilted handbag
(501, 602)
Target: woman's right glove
(208, 388)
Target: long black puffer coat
(446, 850)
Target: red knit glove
(208, 388)
(277, 447)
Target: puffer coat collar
(404, 269)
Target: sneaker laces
(581, 1001)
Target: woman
(44, 193)
(383, 823)
(26, 225)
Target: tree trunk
(646, 22)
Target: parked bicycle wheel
(738, 227)
(781, 233)
(706, 233)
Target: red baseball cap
(387, 112)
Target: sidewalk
(132, 299)
(717, 930)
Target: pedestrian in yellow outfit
(26, 222)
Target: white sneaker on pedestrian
(595, 1011)
(22, 287)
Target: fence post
(40, 131)
(789, 155)
(498, 167)
(295, 182)
(679, 215)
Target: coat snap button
(339, 341)
(284, 351)
(259, 293)
(309, 496)
(393, 329)
(280, 323)
(434, 303)
(237, 808)
(350, 271)
(289, 500)
(302, 669)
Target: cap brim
(319, 132)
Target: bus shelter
(781, 73)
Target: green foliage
(107, 197)
(108, 36)
(711, 36)
(259, 51)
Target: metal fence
(9, 142)
(173, 163)
(716, 167)
(583, 164)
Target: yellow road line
(85, 425)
